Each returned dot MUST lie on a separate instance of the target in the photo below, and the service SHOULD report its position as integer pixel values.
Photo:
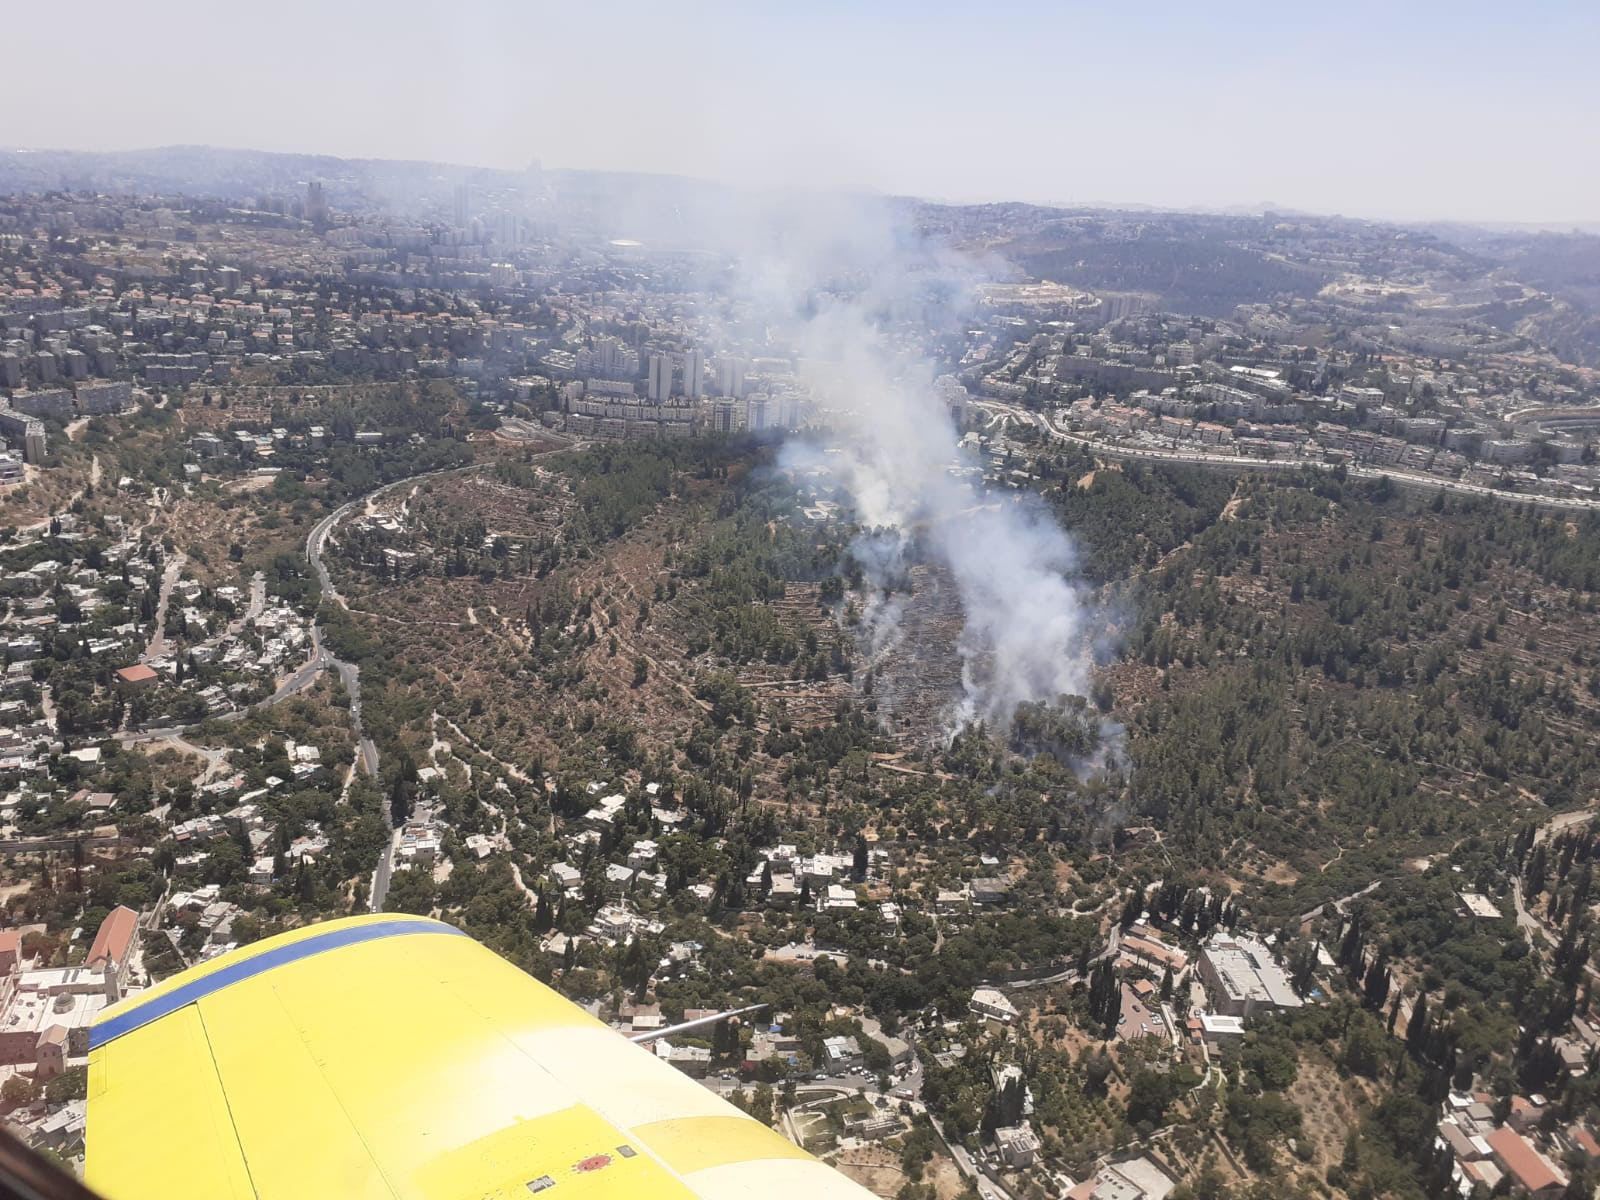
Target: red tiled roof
(114, 938)
(10, 941)
(1523, 1161)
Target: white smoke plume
(855, 295)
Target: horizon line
(1581, 226)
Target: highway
(318, 537)
(1410, 480)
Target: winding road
(1534, 929)
(350, 673)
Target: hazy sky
(1407, 108)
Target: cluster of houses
(786, 876)
(273, 643)
(214, 915)
(195, 836)
(781, 877)
(1221, 392)
(96, 808)
(1516, 1148)
(223, 661)
(420, 841)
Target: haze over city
(1421, 111)
(927, 603)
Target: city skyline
(1435, 113)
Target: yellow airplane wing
(395, 1057)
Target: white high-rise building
(507, 230)
(694, 374)
(659, 390)
(616, 361)
(954, 394)
(730, 376)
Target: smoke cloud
(859, 298)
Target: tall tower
(660, 386)
(507, 230)
(463, 204)
(730, 376)
(316, 204)
(954, 394)
(694, 374)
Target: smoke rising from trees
(856, 294)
